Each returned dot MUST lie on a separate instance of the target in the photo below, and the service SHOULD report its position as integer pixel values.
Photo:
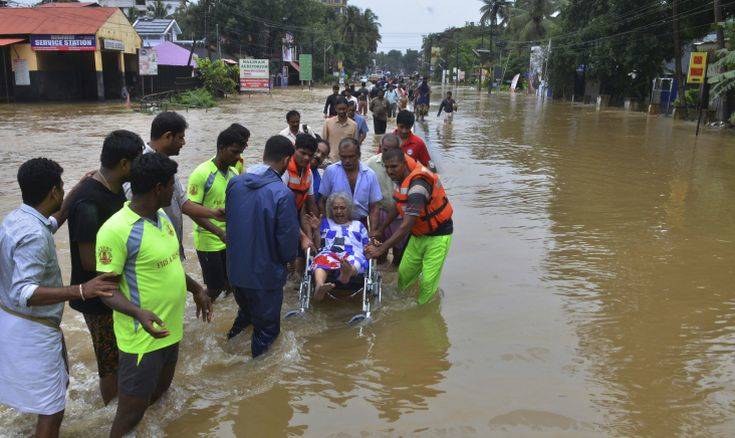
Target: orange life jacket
(299, 185)
(436, 212)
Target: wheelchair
(368, 284)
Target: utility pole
(219, 49)
(456, 45)
(677, 57)
(206, 30)
(723, 110)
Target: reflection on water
(588, 290)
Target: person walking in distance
(338, 128)
(380, 107)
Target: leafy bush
(724, 80)
(199, 98)
(218, 77)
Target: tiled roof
(53, 20)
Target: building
(155, 31)
(66, 51)
(141, 5)
(175, 64)
(340, 5)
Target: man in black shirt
(95, 199)
(330, 109)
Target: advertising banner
(697, 68)
(288, 49)
(64, 43)
(435, 52)
(254, 75)
(305, 67)
(148, 62)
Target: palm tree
(370, 30)
(493, 9)
(533, 18)
(349, 24)
(157, 10)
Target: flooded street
(589, 289)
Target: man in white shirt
(293, 118)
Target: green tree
(157, 10)
(492, 10)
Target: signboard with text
(697, 68)
(305, 67)
(108, 44)
(254, 75)
(64, 43)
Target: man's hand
(101, 286)
(204, 305)
(146, 318)
(374, 251)
(219, 214)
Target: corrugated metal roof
(61, 21)
(68, 5)
(155, 26)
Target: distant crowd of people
(252, 225)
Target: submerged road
(589, 289)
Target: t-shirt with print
(207, 186)
(146, 256)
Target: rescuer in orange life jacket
(299, 179)
(427, 215)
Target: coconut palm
(492, 10)
(157, 10)
(532, 19)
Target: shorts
(214, 269)
(103, 341)
(140, 379)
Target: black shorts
(141, 379)
(214, 269)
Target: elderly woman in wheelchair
(341, 261)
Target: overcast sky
(405, 21)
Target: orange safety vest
(436, 212)
(299, 185)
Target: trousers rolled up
(262, 309)
(423, 260)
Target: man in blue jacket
(262, 237)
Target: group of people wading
(252, 225)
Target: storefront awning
(9, 41)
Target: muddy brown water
(589, 290)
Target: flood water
(589, 290)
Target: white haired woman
(342, 256)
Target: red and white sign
(254, 75)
